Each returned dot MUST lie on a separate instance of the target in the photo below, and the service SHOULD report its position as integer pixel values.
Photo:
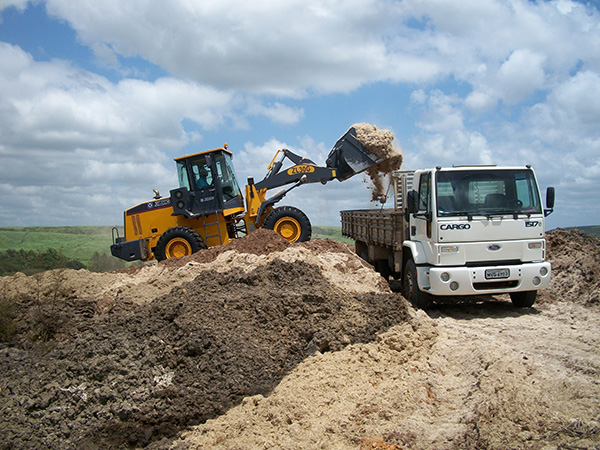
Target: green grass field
(78, 243)
(82, 243)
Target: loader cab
(207, 185)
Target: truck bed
(383, 227)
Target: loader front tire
(289, 222)
(177, 242)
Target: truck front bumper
(484, 280)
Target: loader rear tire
(177, 242)
(289, 222)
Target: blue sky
(97, 98)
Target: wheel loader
(209, 208)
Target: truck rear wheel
(177, 242)
(410, 287)
(289, 222)
(523, 299)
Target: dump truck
(208, 208)
(458, 231)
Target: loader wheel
(289, 222)
(410, 287)
(177, 242)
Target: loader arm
(302, 166)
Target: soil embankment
(262, 344)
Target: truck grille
(485, 285)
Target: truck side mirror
(549, 201)
(412, 202)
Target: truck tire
(410, 287)
(289, 222)
(177, 242)
(523, 299)
(383, 268)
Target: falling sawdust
(379, 142)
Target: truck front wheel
(523, 299)
(177, 242)
(289, 222)
(410, 287)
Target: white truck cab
(465, 230)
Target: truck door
(421, 221)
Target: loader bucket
(349, 157)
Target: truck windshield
(487, 192)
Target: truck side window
(425, 193)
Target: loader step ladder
(209, 224)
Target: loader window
(182, 174)
(226, 174)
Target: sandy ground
(469, 376)
(267, 345)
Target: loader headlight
(180, 204)
(178, 194)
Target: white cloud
(18, 4)
(521, 75)
(492, 81)
(277, 112)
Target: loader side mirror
(550, 195)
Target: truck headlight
(445, 276)
(544, 271)
(454, 286)
(536, 281)
(534, 245)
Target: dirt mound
(264, 344)
(575, 258)
(467, 377)
(379, 142)
(259, 242)
(83, 372)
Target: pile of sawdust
(379, 142)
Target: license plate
(497, 274)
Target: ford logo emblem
(494, 247)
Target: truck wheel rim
(178, 247)
(289, 228)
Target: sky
(98, 97)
